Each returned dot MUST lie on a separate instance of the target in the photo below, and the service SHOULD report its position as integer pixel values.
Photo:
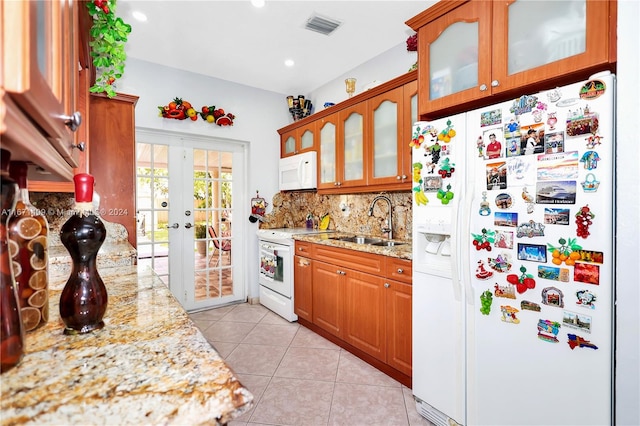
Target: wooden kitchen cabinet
(298, 140)
(362, 142)
(302, 286)
(328, 296)
(474, 52)
(112, 133)
(40, 55)
(363, 300)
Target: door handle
(174, 226)
(188, 225)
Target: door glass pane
(453, 60)
(290, 145)
(306, 141)
(353, 142)
(385, 143)
(328, 153)
(152, 191)
(212, 207)
(541, 32)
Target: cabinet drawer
(360, 261)
(303, 248)
(398, 269)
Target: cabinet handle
(495, 83)
(483, 87)
(339, 272)
(80, 146)
(404, 177)
(400, 270)
(73, 121)
(398, 177)
(387, 285)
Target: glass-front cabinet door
(454, 50)
(327, 129)
(386, 123)
(539, 40)
(351, 150)
(298, 140)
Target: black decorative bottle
(11, 329)
(83, 301)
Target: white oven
(276, 269)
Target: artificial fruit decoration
(523, 282)
(177, 109)
(567, 252)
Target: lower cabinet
(369, 311)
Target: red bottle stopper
(18, 171)
(83, 187)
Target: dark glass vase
(11, 329)
(83, 301)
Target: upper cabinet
(363, 142)
(470, 50)
(40, 44)
(298, 140)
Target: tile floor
(299, 378)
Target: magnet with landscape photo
(431, 183)
(506, 219)
(490, 118)
(561, 165)
(532, 252)
(587, 273)
(577, 321)
(556, 216)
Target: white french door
(189, 189)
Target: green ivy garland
(108, 38)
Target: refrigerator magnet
(496, 175)
(504, 200)
(548, 330)
(586, 299)
(501, 263)
(586, 273)
(507, 291)
(530, 229)
(509, 314)
(481, 272)
(590, 183)
(553, 296)
(526, 305)
(485, 210)
(509, 219)
(593, 141)
(590, 160)
(553, 273)
(554, 216)
(577, 321)
(576, 341)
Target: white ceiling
(232, 40)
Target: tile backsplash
(349, 213)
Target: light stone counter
(111, 254)
(400, 251)
(148, 365)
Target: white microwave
(298, 172)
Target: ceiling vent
(322, 24)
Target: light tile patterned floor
(299, 378)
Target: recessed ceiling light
(139, 16)
(289, 62)
(257, 3)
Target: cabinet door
(454, 60)
(351, 136)
(409, 116)
(40, 68)
(365, 313)
(386, 129)
(398, 311)
(534, 41)
(307, 137)
(302, 288)
(288, 143)
(328, 296)
(328, 146)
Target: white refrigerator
(513, 288)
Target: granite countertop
(400, 251)
(112, 254)
(148, 365)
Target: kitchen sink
(387, 243)
(358, 240)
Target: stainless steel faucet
(388, 228)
